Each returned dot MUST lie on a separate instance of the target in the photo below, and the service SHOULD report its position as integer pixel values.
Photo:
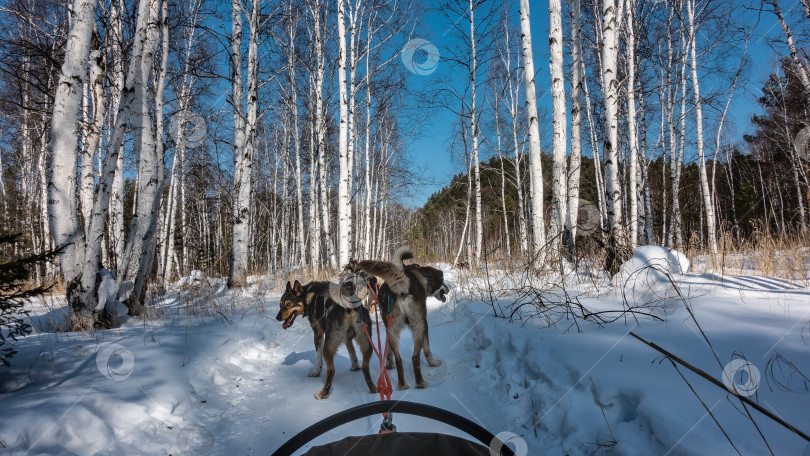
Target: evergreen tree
(14, 273)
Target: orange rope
(384, 386)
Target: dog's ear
(289, 287)
(298, 288)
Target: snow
(212, 372)
(651, 268)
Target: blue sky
(430, 149)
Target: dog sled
(389, 442)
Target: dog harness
(384, 386)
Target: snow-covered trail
(210, 386)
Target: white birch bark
(611, 15)
(704, 178)
(244, 133)
(558, 170)
(535, 154)
(514, 94)
(344, 171)
(299, 189)
(63, 212)
(93, 133)
(150, 244)
(237, 274)
(496, 114)
(574, 161)
(597, 164)
(314, 212)
(633, 219)
(367, 177)
(677, 158)
(139, 250)
(116, 219)
(476, 162)
(320, 123)
(794, 55)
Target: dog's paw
(421, 385)
(355, 367)
(372, 390)
(321, 395)
(434, 362)
(403, 387)
(389, 365)
(314, 373)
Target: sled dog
(404, 296)
(332, 323)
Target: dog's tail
(403, 253)
(394, 272)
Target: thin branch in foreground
(716, 382)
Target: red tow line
(384, 386)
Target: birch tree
(139, 250)
(535, 154)
(476, 163)
(62, 211)
(633, 219)
(611, 16)
(558, 172)
(574, 163)
(345, 172)
(794, 54)
(513, 91)
(704, 178)
(244, 136)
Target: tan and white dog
(404, 295)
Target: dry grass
(785, 257)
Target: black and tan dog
(333, 325)
(404, 294)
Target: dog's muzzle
(288, 321)
(441, 293)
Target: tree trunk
(479, 224)
(496, 113)
(514, 89)
(704, 178)
(535, 154)
(574, 161)
(299, 192)
(63, 212)
(633, 221)
(139, 250)
(91, 142)
(794, 55)
(344, 172)
(558, 171)
(610, 54)
(244, 136)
